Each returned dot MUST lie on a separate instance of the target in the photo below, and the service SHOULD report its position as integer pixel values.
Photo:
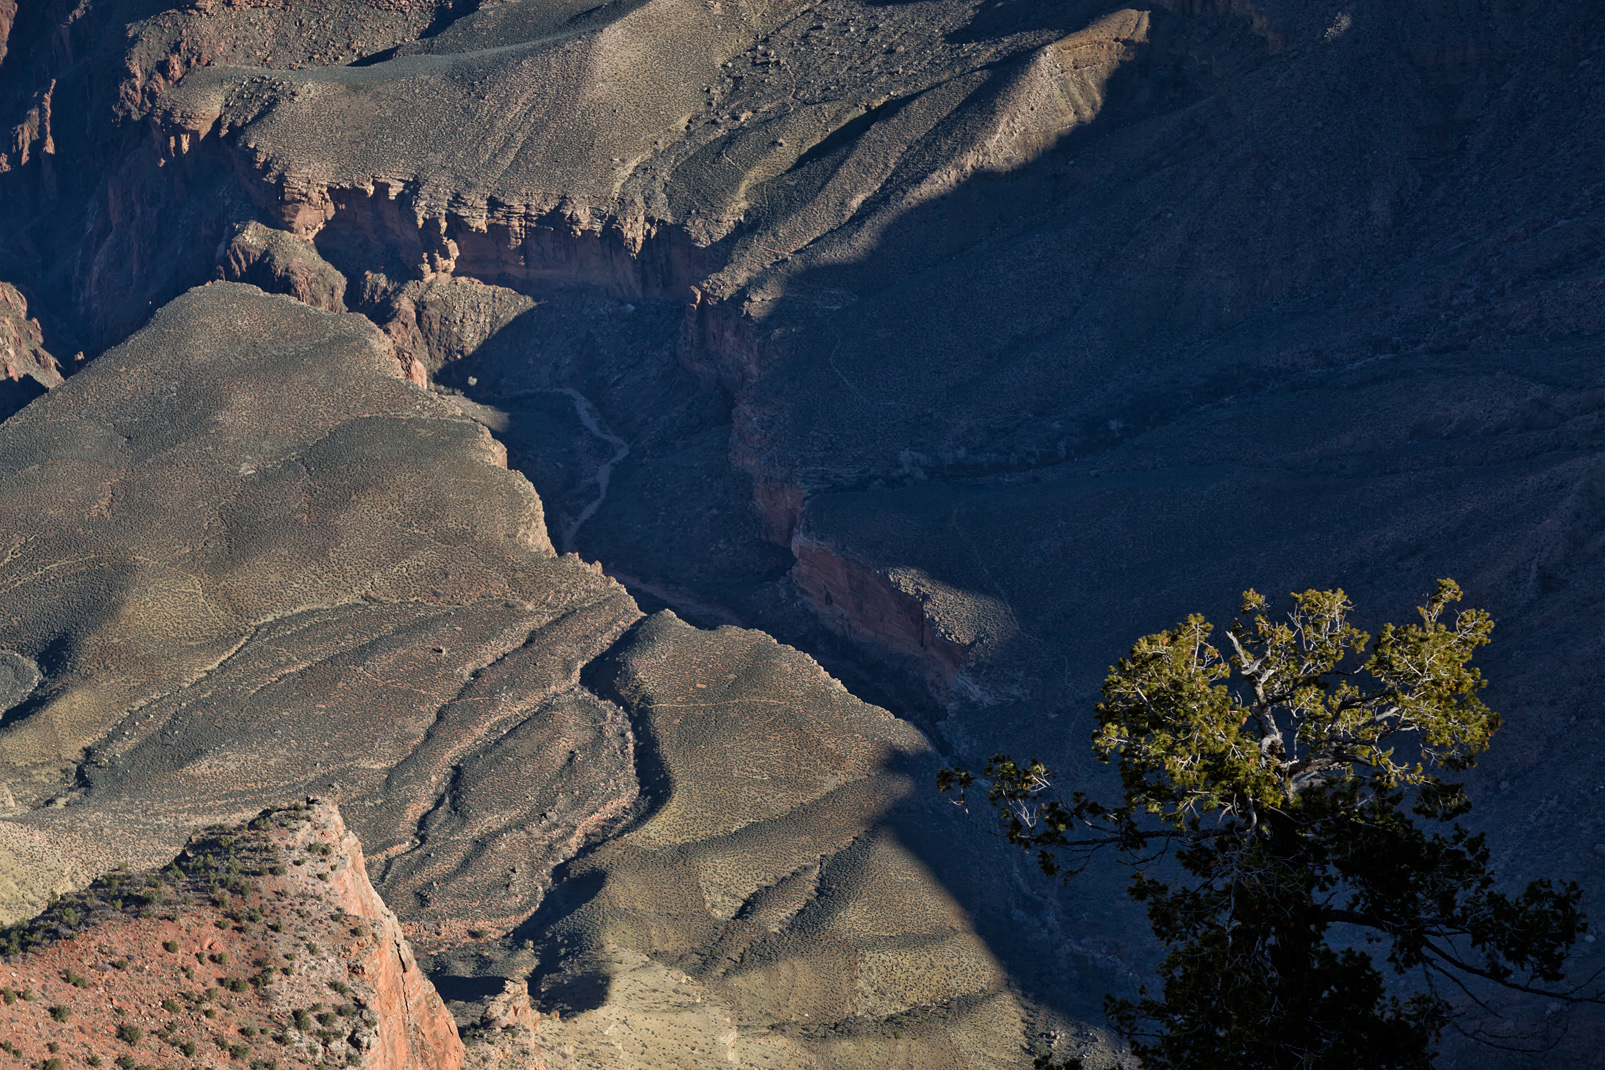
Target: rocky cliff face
(29, 370)
(956, 343)
(260, 942)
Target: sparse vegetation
(1273, 776)
(130, 1034)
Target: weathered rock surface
(1013, 331)
(792, 898)
(282, 263)
(259, 943)
(271, 565)
(28, 369)
(253, 561)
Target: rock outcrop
(28, 369)
(284, 264)
(260, 942)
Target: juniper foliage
(1287, 801)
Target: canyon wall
(238, 949)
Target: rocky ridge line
(262, 944)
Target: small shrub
(326, 1019)
(130, 1034)
(239, 1051)
(303, 1021)
(77, 980)
(93, 1060)
(235, 984)
(340, 987)
(119, 964)
(188, 1048)
(125, 1062)
(60, 1014)
(210, 1012)
(8, 995)
(221, 958)
(169, 945)
(170, 1006)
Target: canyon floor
(617, 453)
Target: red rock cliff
(260, 944)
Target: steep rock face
(8, 18)
(903, 612)
(282, 263)
(105, 231)
(29, 370)
(260, 941)
(598, 179)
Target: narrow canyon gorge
(610, 457)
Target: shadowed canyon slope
(260, 562)
(956, 343)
